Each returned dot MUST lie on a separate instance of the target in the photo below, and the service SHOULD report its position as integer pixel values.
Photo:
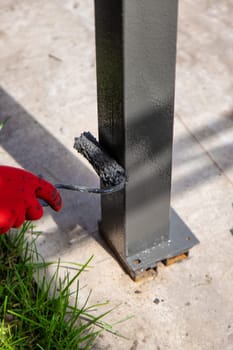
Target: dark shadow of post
(37, 150)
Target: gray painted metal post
(136, 54)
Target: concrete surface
(47, 72)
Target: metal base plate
(175, 249)
(181, 239)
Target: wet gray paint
(136, 54)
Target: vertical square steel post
(136, 54)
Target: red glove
(19, 191)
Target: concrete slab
(204, 85)
(47, 71)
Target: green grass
(3, 123)
(39, 315)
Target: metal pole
(136, 53)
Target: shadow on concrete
(38, 151)
(220, 156)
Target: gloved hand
(19, 190)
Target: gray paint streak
(149, 74)
(136, 54)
